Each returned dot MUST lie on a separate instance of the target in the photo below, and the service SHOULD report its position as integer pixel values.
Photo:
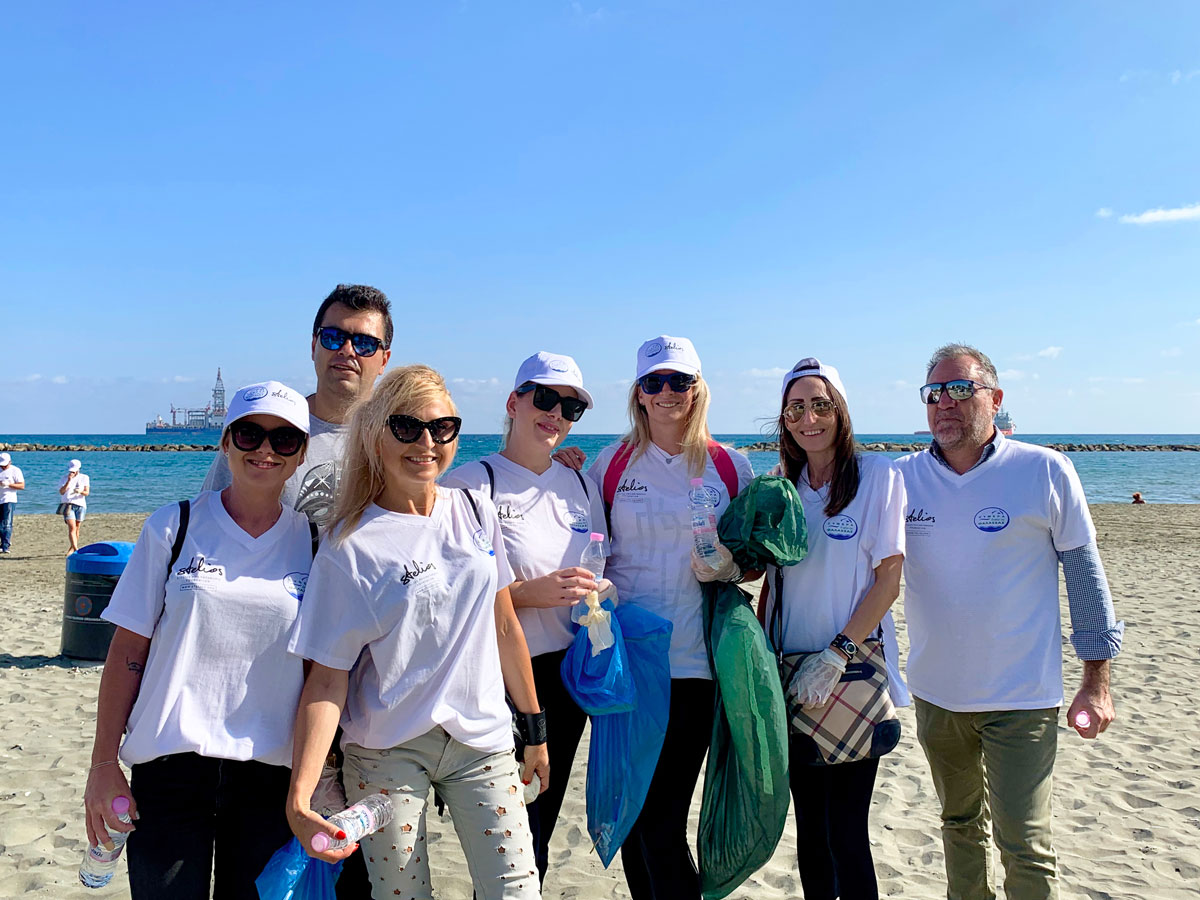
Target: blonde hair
(695, 431)
(402, 391)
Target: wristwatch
(845, 646)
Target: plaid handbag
(858, 721)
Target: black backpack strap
(474, 506)
(316, 537)
(583, 483)
(491, 474)
(185, 513)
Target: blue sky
(857, 181)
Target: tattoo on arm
(134, 666)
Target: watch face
(846, 645)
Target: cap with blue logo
(553, 369)
(269, 398)
(666, 352)
(810, 365)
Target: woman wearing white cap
(646, 479)
(837, 597)
(413, 639)
(198, 675)
(74, 489)
(547, 515)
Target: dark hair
(359, 297)
(843, 483)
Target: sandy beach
(1127, 816)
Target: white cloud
(29, 379)
(1181, 77)
(777, 372)
(476, 384)
(1171, 351)
(1011, 375)
(1111, 379)
(1050, 352)
(59, 379)
(1160, 215)
(1104, 213)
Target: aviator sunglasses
(545, 399)
(794, 412)
(960, 389)
(286, 440)
(407, 429)
(679, 382)
(334, 339)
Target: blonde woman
(646, 480)
(410, 627)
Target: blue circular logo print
(705, 492)
(295, 583)
(840, 528)
(991, 518)
(483, 542)
(579, 523)
(558, 365)
(654, 349)
(255, 393)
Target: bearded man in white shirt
(989, 520)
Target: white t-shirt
(650, 562)
(981, 576)
(547, 522)
(74, 494)
(824, 589)
(9, 475)
(407, 604)
(219, 680)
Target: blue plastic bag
(625, 745)
(291, 874)
(600, 683)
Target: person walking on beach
(74, 488)
(547, 514)
(11, 481)
(199, 678)
(989, 521)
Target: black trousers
(833, 848)
(190, 806)
(657, 860)
(564, 724)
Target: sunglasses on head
(286, 440)
(407, 429)
(334, 339)
(959, 389)
(821, 408)
(679, 382)
(546, 398)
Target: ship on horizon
(197, 422)
(1003, 422)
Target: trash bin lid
(101, 558)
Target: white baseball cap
(553, 369)
(269, 398)
(666, 352)
(74, 465)
(810, 365)
(5, 459)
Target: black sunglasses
(286, 440)
(334, 339)
(546, 398)
(679, 382)
(408, 429)
(959, 389)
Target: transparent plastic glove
(716, 568)
(329, 796)
(606, 590)
(818, 676)
(598, 622)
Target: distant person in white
(413, 639)
(198, 677)
(837, 597)
(989, 521)
(11, 481)
(547, 514)
(74, 488)
(351, 341)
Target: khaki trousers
(993, 768)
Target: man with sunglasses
(988, 522)
(351, 340)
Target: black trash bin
(92, 573)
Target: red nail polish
(341, 835)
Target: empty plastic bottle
(99, 864)
(703, 504)
(365, 817)
(591, 559)
(1083, 719)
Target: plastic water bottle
(1083, 720)
(99, 864)
(704, 520)
(365, 817)
(591, 559)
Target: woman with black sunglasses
(646, 480)
(547, 514)
(413, 640)
(198, 675)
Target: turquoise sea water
(143, 481)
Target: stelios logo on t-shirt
(991, 519)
